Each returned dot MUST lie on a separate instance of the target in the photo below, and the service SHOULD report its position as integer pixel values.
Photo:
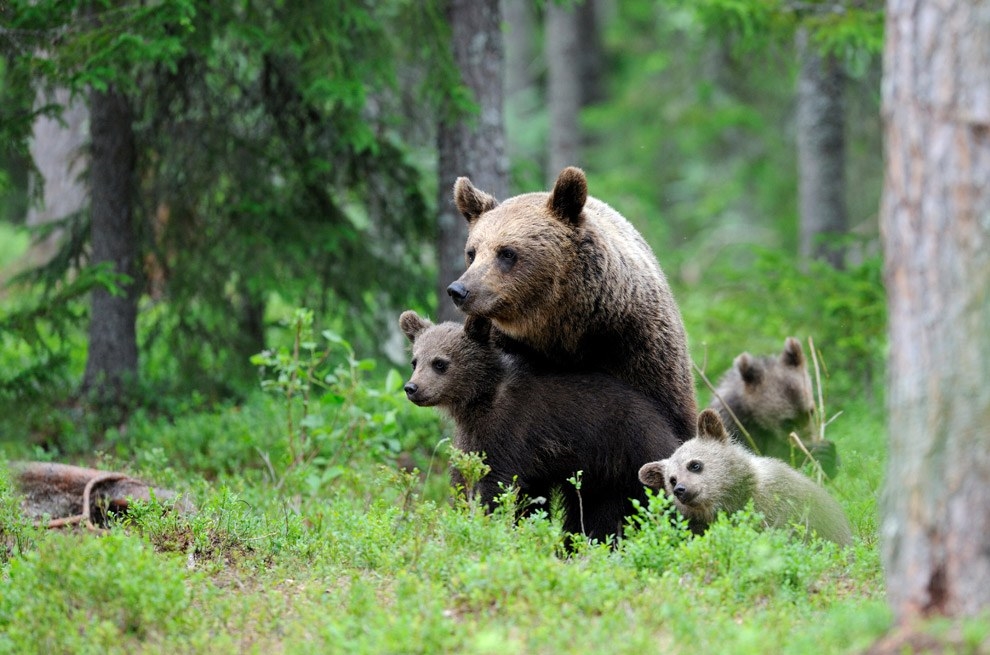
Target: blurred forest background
(178, 178)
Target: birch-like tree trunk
(821, 149)
(563, 88)
(474, 146)
(935, 222)
(57, 148)
(112, 358)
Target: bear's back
(784, 495)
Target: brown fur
(568, 281)
(771, 396)
(538, 429)
(711, 474)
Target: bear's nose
(410, 388)
(680, 490)
(457, 292)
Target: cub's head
(518, 252)
(705, 474)
(777, 391)
(452, 363)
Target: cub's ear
(793, 355)
(471, 202)
(569, 194)
(749, 368)
(653, 474)
(710, 426)
(412, 324)
(478, 328)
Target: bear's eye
(695, 466)
(413, 364)
(440, 366)
(506, 258)
(470, 254)
(507, 254)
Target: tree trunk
(591, 52)
(935, 223)
(57, 151)
(821, 154)
(473, 146)
(563, 88)
(112, 357)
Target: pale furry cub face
(701, 476)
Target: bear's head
(705, 474)
(519, 253)
(776, 395)
(453, 364)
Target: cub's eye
(507, 255)
(470, 254)
(414, 364)
(440, 366)
(695, 466)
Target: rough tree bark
(821, 153)
(563, 88)
(474, 146)
(112, 358)
(935, 222)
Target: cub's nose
(680, 490)
(411, 388)
(458, 293)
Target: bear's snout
(458, 293)
(680, 491)
(411, 388)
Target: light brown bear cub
(567, 281)
(538, 429)
(711, 474)
(771, 396)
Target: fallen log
(56, 495)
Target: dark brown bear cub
(567, 280)
(538, 429)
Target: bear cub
(711, 474)
(537, 429)
(772, 396)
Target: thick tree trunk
(935, 222)
(112, 357)
(474, 146)
(563, 88)
(821, 154)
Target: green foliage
(37, 331)
(655, 533)
(853, 31)
(84, 594)
(275, 157)
(753, 308)
(16, 535)
(329, 413)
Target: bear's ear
(569, 195)
(413, 324)
(710, 426)
(478, 328)
(653, 474)
(793, 355)
(471, 202)
(749, 369)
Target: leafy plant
(323, 396)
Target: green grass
(374, 560)
(309, 538)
